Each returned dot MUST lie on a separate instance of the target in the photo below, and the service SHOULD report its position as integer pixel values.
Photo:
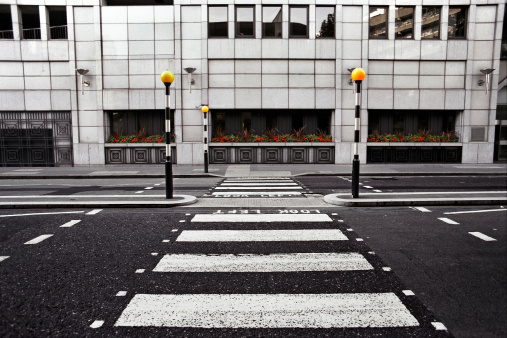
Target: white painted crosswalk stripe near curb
(258, 188)
(39, 239)
(258, 193)
(263, 263)
(257, 184)
(261, 235)
(267, 311)
(258, 218)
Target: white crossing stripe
(263, 263)
(261, 235)
(258, 188)
(256, 218)
(448, 221)
(3, 258)
(482, 236)
(38, 239)
(258, 193)
(257, 184)
(258, 179)
(267, 311)
(71, 223)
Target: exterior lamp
(190, 70)
(167, 78)
(487, 73)
(357, 75)
(82, 73)
(205, 110)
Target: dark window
(271, 21)
(503, 52)
(411, 122)
(404, 23)
(31, 22)
(456, 28)
(217, 22)
(57, 22)
(378, 22)
(245, 21)
(298, 21)
(6, 22)
(138, 2)
(139, 122)
(430, 23)
(324, 18)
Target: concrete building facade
(259, 65)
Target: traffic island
(418, 199)
(94, 201)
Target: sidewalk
(252, 170)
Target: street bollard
(358, 75)
(205, 110)
(167, 78)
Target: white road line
(94, 212)
(258, 179)
(482, 236)
(408, 293)
(439, 326)
(257, 184)
(44, 213)
(261, 235)
(258, 193)
(267, 311)
(447, 220)
(38, 239)
(121, 293)
(263, 263)
(367, 187)
(386, 269)
(140, 270)
(139, 192)
(71, 223)
(256, 218)
(257, 188)
(376, 190)
(472, 211)
(3, 258)
(96, 324)
(421, 209)
(148, 188)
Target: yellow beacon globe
(167, 77)
(358, 74)
(205, 109)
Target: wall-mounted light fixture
(487, 73)
(190, 70)
(82, 73)
(350, 70)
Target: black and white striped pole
(358, 75)
(205, 110)
(167, 78)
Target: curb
(181, 200)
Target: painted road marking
(256, 218)
(94, 212)
(439, 326)
(3, 258)
(258, 188)
(71, 223)
(140, 270)
(367, 187)
(376, 190)
(473, 211)
(38, 239)
(447, 220)
(261, 235)
(267, 311)
(257, 193)
(408, 293)
(121, 293)
(257, 184)
(263, 263)
(96, 324)
(482, 236)
(44, 213)
(386, 269)
(421, 209)
(139, 192)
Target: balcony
(58, 32)
(6, 35)
(31, 34)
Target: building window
(217, 22)
(271, 21)
(430, 23)
(6, 22)
(138, 122)
(31, 22)
(57, 22)
(405, 122)
(404, 23)
(245, 21)
(138, 2)
(378, 22)
(298, 21)
(324, 18)
(456, 28)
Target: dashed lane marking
(96, 324)
(439, 326)
(421, 209)
(447, 220)
(482, 236)
(71, 223)
(284, 311)
(121, 293)
(3, 258)
(263, 263)
(94, 212)
(39, 239)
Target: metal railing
(31, 34)
(6, 35)
(58, 32)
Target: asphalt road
(86, 277)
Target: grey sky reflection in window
(298, 25)
(272, 21)
(217, 21)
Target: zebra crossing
(273, 272)
(258, 187)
